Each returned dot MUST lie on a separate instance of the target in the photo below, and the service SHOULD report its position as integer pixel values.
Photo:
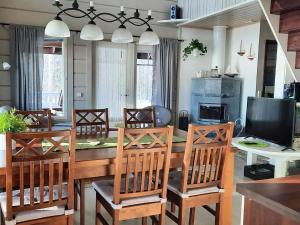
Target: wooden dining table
(99, 162)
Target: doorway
(269, 69)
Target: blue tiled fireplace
(215, 100)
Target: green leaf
(194, 44)
(11, 122)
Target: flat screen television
(271, 119)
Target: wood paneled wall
(193, 9)
(82, 73)
(5, 96)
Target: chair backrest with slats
(139, 118)
(41, 167)
(91, 122)
(205, 155)
(37, 120)
(142, 162)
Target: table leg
(82, 202)
(280, 168)
(251, 158)
(242, 210)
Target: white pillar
(219, 47)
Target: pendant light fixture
(122, 35)
(57, 28)
(149, 38)
(91, 32)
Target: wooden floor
(202, 216)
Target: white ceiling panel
(233, 17)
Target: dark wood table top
(282, 195)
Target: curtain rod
(78, 31)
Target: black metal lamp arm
(144, 22)
(99, 16)
(92, 15)
(65, 11)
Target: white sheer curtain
(114, 77)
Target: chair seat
(106, 188)
(174, 185)
(38, 213)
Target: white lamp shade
(149, 38)
(6, 66)
(91, 32)
(122, 35)
(57, 28)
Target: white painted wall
(247, 69)
(283, 74)
(189, 68)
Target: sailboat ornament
(231, 72)
(251, 55)
(242, 51)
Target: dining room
(122, 112)
(87, 120)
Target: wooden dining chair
(91, 122)
(38, 120)
(139, 118)
(88, 123)
(39, 178)
(139, 187)
(201, 180)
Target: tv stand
(273, 151)
(246, 137)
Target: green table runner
(111, 142)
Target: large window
(144, 78)
(53, 76)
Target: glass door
(114, 78)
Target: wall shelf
(172, 21)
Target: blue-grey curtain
(26, 48)
(165, 73)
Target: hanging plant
(195, 48)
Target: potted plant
(195, 48)
(9, 122)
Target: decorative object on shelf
(214, 72)
(251, 55)
(202, 73)
(9, 122)
(242, 51)
(175, 12)
(92, 32)
(231, 72)
(195, 48)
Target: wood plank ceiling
(240, 15)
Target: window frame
(141, 49)
(66, 101)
